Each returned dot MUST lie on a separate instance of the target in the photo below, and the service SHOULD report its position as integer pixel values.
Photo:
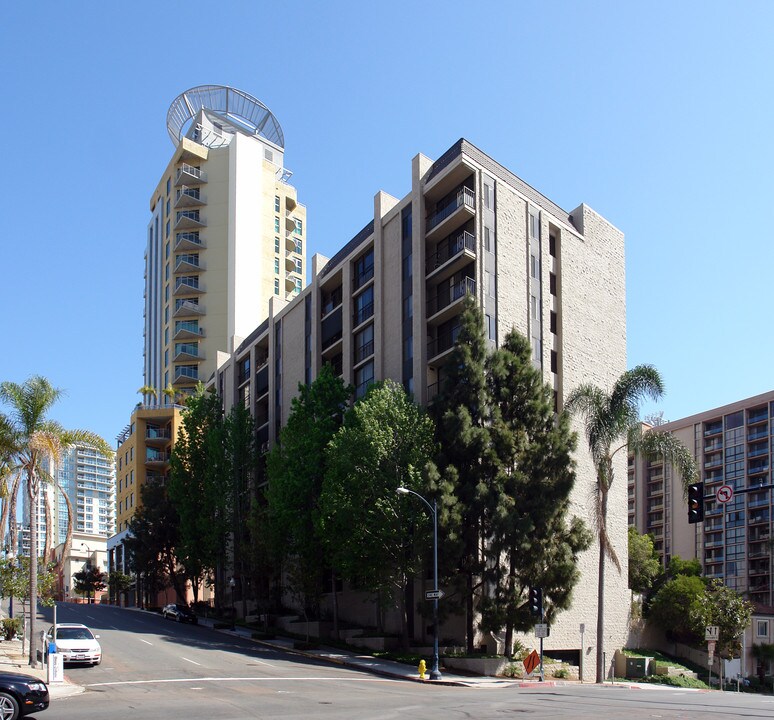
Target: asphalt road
(154, 668)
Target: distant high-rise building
(732, 446)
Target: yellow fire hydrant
(422, 668)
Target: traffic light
(696, 503)
(536, 601)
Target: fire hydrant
(422, 668)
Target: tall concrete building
(226, 234)
(88, 478)
(388, 305)
(732, 446)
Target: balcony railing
(186, 171)
(331, 302)
(443, 342)
(447, 250)
(184, 373)
(452, 294)
(152, 433)
(364, 351)
(465, 196)
(361, 315)
(362, 277)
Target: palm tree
(612, 425)
(35, 438)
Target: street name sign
(541, 630)
(433, 594)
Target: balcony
(188, 262)
(758, 518)
(157, 436)
(359, 279)
(330, 302)
(757, 416)
(461, 206)
(186, 375)
(188, 331)
(187, 308)
(445, 304)
(362, 314)
(156, 458)
(188, 174)
(364, 352)
(714, 445)
(189, 241)
(262, 381)
(758, 466)
(758, 450)
(188, 285)
(757, 433)
(713, 429)
(451, 256)
(714, 461)
(189, 220)
(188, 197)
(188, 352)
(438, 347)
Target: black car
(21, 695)
(174, 611)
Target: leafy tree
(678, 566)
(198, 489)
(644, 562)
(466, 460)
(612, 425)
(375, 538)
(31, 437)
(15, 580)
(679, 608)
(151, 543)
(118, 583)
(296, 467)
(531, 542)
(727, 609)
(89, 581)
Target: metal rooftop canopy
(244, 110)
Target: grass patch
(674, 681)
(663, 659)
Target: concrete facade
(387, 306)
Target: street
(155, 668)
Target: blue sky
(657, 115)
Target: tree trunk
(12, 526)
(7, 519)
(32, 494)
(601, 598)
(68, 535)
(469, 632)
(508, 649)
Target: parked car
(21, 695)
(180, 613)
(75, 642)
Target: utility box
(637, 667)
(55, 667)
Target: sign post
(711, 635)
(580, 665)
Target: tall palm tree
(35, 438)
(612, 425)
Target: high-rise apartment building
(732, 446)
(226, 234)
(388, 305)
(88, 478)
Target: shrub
(12, 627)
(561, 673)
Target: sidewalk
(13, 660)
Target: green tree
(15, 580)
(466, 460)
(532, 542)
(727, 609)
(644, 562)
(151, 544)
(376, 539)
(296, 467)
(89, 581)
(612, 426)
(118, 583)
(33, 437)
(198, 489)
(679, 609)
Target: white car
(76, 643)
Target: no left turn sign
(724, 494)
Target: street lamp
(231, 584)
(435, 673)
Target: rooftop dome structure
(245, 111)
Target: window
(276, 266)
(487, 196)
(552, 245)
(298, 285)
(364, 343)
(169, 184)
(553, 322)
(364, 269)
(299, 227)
(552, 283)
(364, 376)
(276, 203)
(276, 225)
(487, 240)
(276, 286)
(276, 245)
(554, 362)
(534, 266)
(166, 230)
(298, 265)
(364, 306)
(490, 327)
(762, 628)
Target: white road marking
(114, 627)
(239, 679)
(146, 642)
(190, 661)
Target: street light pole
(231, 584)
(435, 673)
